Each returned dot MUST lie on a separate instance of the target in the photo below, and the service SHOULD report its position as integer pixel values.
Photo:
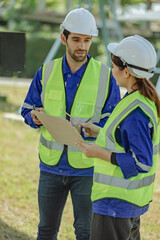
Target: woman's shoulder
(137, 117)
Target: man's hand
(34, 117)
(90, 130)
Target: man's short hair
(66, 33)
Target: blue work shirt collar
(67, 70)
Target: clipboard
(60, 129)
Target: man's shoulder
(54, 60)
(100, 63)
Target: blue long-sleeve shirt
(71, 82)
(135, 133)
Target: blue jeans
(52, 195)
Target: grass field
(19, 172)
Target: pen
(34, 108)
(73, 118)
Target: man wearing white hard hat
(86, 89)
(126, 148)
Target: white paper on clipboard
(60, 129)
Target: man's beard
(78, 58)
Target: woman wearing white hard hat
(126, 148)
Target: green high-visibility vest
(109, 181)
(89, 100)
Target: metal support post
(53, 49)
(118, 27)
(104, 30)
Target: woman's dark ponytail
(148, 90)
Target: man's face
(77, 46)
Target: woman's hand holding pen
(90, 130)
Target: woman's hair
(145, 87)
(117, 61)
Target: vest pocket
(84, 110)
(49, 157)
(54, 102)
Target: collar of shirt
(79, 72)
(129, 93)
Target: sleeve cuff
(113, 159)
(87, 138)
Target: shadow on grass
(9, 233)
(8, 107)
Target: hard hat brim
(112, 48)
(62, 27)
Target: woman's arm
(91, 150)
(136, 138)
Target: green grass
(19, 172)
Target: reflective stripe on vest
(103, 82)
(109, 181)
(123, 183)
(45, 76)
(95, 100)
(156, 149)
(56, 146)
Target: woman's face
(119, 75)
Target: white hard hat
(80, 21)
(137, 54)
